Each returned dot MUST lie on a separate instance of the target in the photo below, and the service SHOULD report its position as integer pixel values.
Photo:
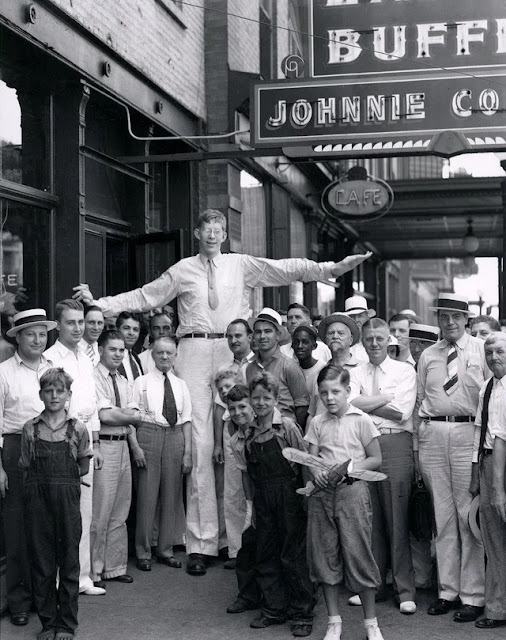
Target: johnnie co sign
(393, 77)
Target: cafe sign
(392, 77)
(365, 198)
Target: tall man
(93, 327)
(293, 398)
(212, 289)
(19, 402)
(386, 390)
(112, 485)
(491, 425)
(296, 316)
(160, 326)
(67, 353)
(129, 324)
(450, 376)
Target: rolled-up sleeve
(104, 399)
(152, 295)
(264, 272)
(83, 448)
(405, 394)
(296, 384)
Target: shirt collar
(249, 358)
(41, 418)
(65, 351)
(103, 370)
(204, 260)
(350, 411)
(20, 362)
(384, 366)
(160, 374)
(461, 342)
(275, 356)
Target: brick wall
(145, 34)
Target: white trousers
(198, 361)
(85, 582)
(445, 451)
(234, 500)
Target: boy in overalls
(55, 452)
(281, 567)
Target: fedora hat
(344, 319)
(270, 315)
(424, 332)
(30, 318)
(357, 304)
(452, 302)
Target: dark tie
(452, 377)
(169, 402)
(134, 365)
(117, 397)
(484, 416)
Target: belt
(488, 452)
(452, 418)
(123, 436)
(385, 431)
(207, 336)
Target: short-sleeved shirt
(79, 442)
(284, 429)
(292, 384)
(342, 439)
(106, 398)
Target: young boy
(242, 417)
(281, 567)
(304, 343)
(55, 452)
(229, 491)
(340, 520)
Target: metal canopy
(429, 219)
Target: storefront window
(24, 257)
(25, 148)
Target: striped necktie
(134, 365)
(452, 378)
(90, 353)
(212, 294)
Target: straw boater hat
(357, 304)
(344, 319)
(269, 315)
(452, 302)
(424, 332)
(30, 318)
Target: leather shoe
(196, 565)
(100, 584)
(442, 606)
(19, 619)
(263, 621)
(240, 605)
(143, 565)
(125, 578)
(229, 564)
(489, 623)
(468, 613)
(170, 562)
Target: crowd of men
(153, 401)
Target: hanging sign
(349, 199)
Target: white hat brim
(49, 324)
(468, 313)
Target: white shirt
(19, 394)
(236, 275)
(83, 403)
(496, 415)
(148, 392)
(321, 353)
(359, 352)
(398, 378)
(94, 345)
(147, 362)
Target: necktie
(117, 397)
(452, 377)
(90, 353)
(484, 416)
(212, 294)
(375, 381)
(169, 411)
(133, 364)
